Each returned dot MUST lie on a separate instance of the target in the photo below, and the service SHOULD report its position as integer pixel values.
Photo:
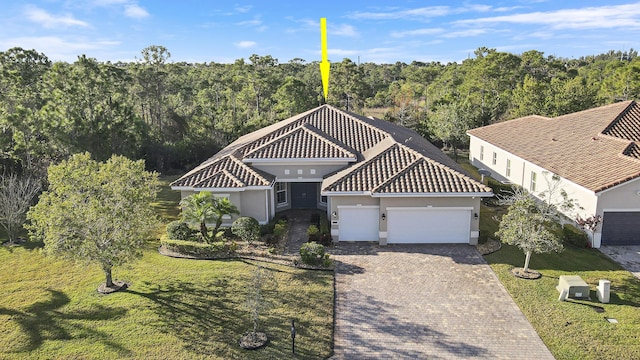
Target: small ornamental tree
(246, 228)
(525, 225)
(589, 224)
(96, 212)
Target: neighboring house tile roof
(387, 157)
(596, 148)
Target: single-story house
(376, 180)
(596, 154)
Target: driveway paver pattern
(425, 302)
(627, 256)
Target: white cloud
(424, 12)
(340, 30)
(245, 44)
(465, 33)
(135, 11)
(254, 22)
(47, 20)
(417, 32)
(243, 9)
(603, 17)
(58, 48)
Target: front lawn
(573, 329)
(174, 308)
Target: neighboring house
(377, 181)
(595, 152)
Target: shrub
(312, 253)
(246, 228)
(179, 230)
(218, 249)
(312, 232)
(279, 229)
(575, 236)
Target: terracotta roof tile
(586, 147)
(303, 142)
(424, 176)
(226, 172)
(372, 172)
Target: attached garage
(359, 223)
(428, 225)
(621, 228)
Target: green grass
(572, 329)
(174, 308)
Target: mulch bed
(529, 274)
(117, 286)
(253, 340)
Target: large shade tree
(98, 212)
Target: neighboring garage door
(358, 223)
(432, 225)
(621, 228)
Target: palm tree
(204, 208)
(198, 208)
(222, 207)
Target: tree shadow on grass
(199, 317)
(43, 320)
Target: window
(312, 171)
(287, 171)
(508, 173)
(281, 193)
(534, 176)
(481, 152)
(323, 199)
(495, 158)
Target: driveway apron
(627, 256)
(425, 302)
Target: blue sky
(373, 30)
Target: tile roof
(303, 142)
(592, 148)
(425, 176)
(387, 156)
(224, 172)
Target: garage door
(358, 223)
(428, 225)
(621, 228)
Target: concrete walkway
(627, 256)
(425, 302)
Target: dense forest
(176, 114)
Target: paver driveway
(426, 302)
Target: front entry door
(304, 195)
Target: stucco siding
(625, 197)
(299, 172)
(254, 204)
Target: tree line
(174, 115)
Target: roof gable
(424, 176)
(303, 142)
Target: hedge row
(220, 249)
